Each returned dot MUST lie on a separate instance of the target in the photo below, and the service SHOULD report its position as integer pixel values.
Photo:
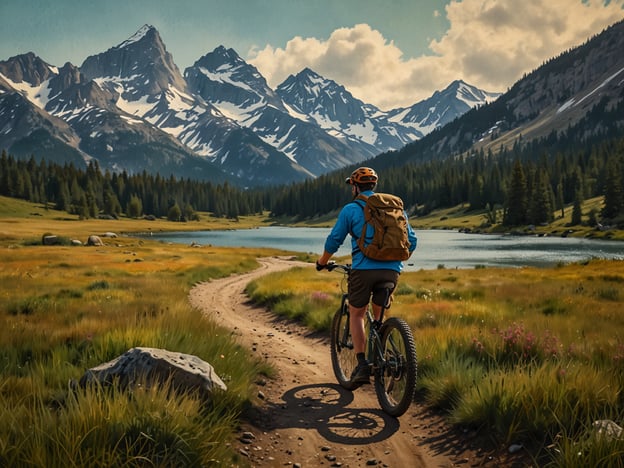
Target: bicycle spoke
(341, 346)
(395, 381)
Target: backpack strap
(360, 197)
(356, 200)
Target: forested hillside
(528, 185)
(92, 193)
(516, 187)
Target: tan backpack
(385, 213)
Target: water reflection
(450, 249)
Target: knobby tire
(395, 380)
(343, 357)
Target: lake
(452, 249)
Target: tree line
(523, 185)
(91, 193)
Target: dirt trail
(302, 417)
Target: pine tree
(577, 213)
(174, 213)
(614, 196)
(134, 208)
(541, 200)
(516, 212)
(560, 200)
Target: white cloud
(490, 43)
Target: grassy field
(64, 309)
(522, 356)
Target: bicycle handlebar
(330, 266)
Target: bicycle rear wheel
(343, 357)
(395, 377)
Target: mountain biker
(365, 272)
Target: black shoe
(361, 374)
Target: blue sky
(389, 53)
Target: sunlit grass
(66, 309)
(521, 355)
(530, 356)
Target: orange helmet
(362, 175)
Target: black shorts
(362, 283)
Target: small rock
(261, 395)
(248, 435)
(515, 448)
(608, 429)
(371, 462)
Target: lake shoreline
(437, 248)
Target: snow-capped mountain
(441, 108)
(131, 109)
(335, 110)
(148, 85)
(241, 93)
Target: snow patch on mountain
(363, 131)
(225, 74)
(38, 95)
(136, 37)
(139, 107)
(572, 101)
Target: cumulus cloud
(490, 43)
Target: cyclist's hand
(320, 267)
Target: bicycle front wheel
(395, 375)
(343, 357)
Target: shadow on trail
(324, 408)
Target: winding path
(302, 416)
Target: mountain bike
(390, 350)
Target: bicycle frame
(373, 342)
(390, 349)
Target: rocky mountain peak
(130, 108)
(222, 75)
(146, 32)
(27, 68)
(143, 59)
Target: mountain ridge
(553, 99)
(133, 97)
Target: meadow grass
(522, 356)
(65, 309)
(529, 356)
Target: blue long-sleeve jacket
(350, 221)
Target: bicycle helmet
(362, 175)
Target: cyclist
(365, 272)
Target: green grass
(521, 356)
(530, 356)
(66, 309)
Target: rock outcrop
(156, 366)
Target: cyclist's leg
(359, 297)
(356, 324)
